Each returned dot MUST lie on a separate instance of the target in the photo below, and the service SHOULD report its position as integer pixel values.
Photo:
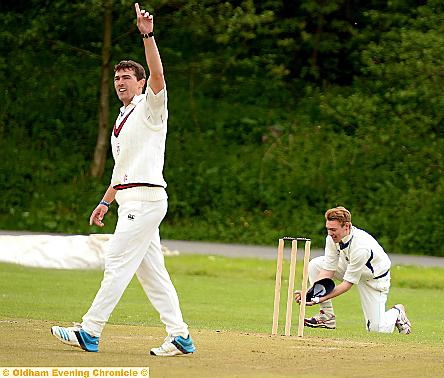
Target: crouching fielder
(356, 258)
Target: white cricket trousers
(373, 294)
(135, 249)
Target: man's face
(127, 86)
(336, 231)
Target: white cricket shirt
(138, 146)
(362, 255)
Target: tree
(394, 116)
(99, 158)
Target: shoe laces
(326, 315)
(166, 341)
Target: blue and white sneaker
(76, 337)
(174, 346)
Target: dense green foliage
(278, 111)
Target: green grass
(216, 293)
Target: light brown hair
(340, 214)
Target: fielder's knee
(314, 267)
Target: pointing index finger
(136, 5)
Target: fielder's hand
(298, 296)
(97, 215)
(144, 20)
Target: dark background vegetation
(278, 111)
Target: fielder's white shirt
(360, 253)
(138, 145)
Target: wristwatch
(147, 35)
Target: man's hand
(298, 296)
(144, 20)
(97, 215)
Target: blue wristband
(103, 202)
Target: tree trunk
(98, 163)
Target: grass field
(228, 305)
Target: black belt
(135, 185)
(382, 275)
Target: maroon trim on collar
(134, 185)
(119, 128)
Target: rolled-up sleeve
(157, 111)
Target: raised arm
(156, 80)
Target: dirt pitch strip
(221, 353)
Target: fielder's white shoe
(402, 322)
(76, 337)
(174, 346)
(321, 320)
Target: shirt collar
(136, 99)
(346, 240)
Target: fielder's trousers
(373, 294)
(135, 249)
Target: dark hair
(138, 69)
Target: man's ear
(142, 83)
